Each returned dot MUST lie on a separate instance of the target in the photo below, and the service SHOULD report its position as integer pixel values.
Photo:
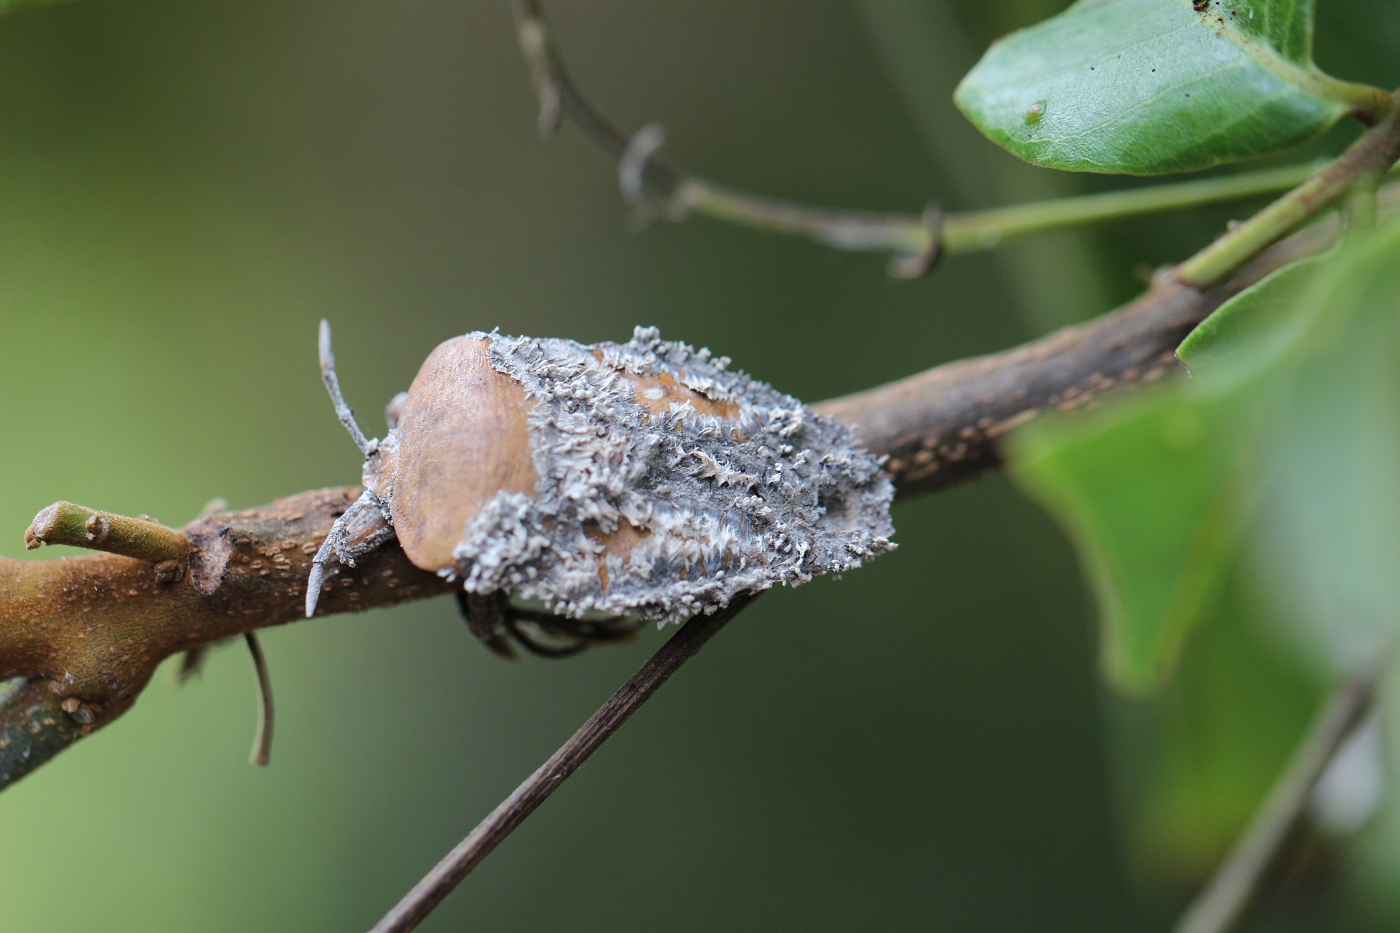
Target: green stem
(141, 538)
(1367, 102)
(970, 231)
(1374, 153)
(984, 229)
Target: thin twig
(1223, 902)
(490, 832)
(78, 526)
(142, 538)
(262, 739)
(915, 240)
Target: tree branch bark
(86, 633)
(90, 631)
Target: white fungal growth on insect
(719, 505)
(663, 484)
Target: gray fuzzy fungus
(767, 492)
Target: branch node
(913, 265)
(75, 708)
(631, 179)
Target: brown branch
(943, 426)
(86, 633)
(92, 629)
(526, 798)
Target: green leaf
(1258, 324)
(1191, 765)
(1149, 490)
(1331, 533)
(1156, 490)
(1295, 396)
(1143, 87)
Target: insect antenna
(342, 410)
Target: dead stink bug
(641, 479)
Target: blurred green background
(188, 187)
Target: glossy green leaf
(1144, 87)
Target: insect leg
(486, 617)
(497, 623)
(526, 635)
(364, 527)
(615, 628)
(318, 569)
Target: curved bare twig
(502, 821)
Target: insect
(644, 479)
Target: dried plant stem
(502, 821)
(1225, 899)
